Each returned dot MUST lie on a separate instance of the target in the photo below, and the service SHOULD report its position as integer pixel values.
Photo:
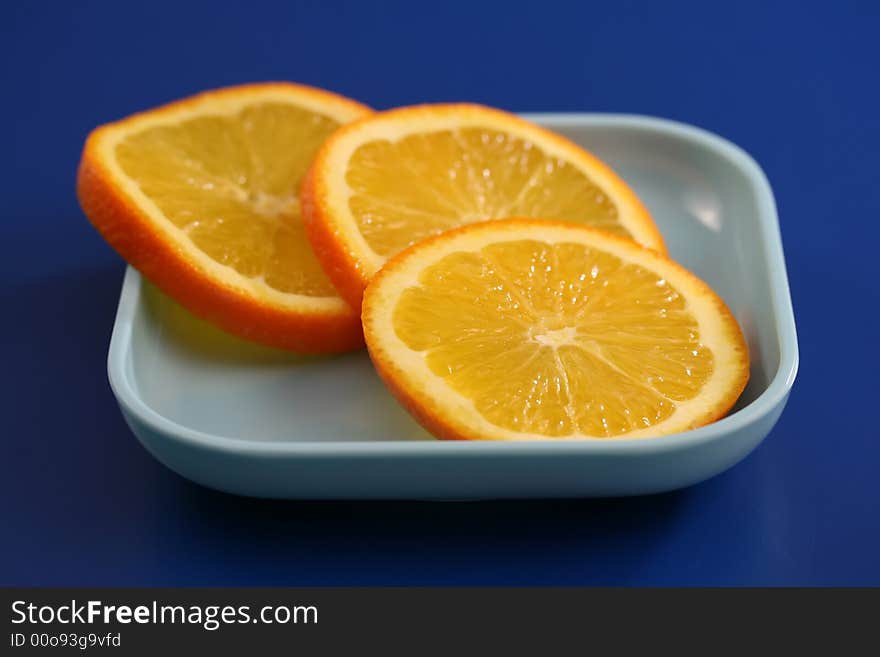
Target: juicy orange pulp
(557, 339)
(230, 183)
(446, 178)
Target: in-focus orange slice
(201, 196)
(529, 329)
(388, 181)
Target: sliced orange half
(202, 197)
(397, 177)
(529, 329)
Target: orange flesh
(423, 184)
(230, 182)
(524, 328)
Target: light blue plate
(253, 421)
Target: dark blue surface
(83, 503)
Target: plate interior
(196, 376)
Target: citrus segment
(527, 329)
(398, 177)
(202, 196)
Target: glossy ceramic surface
(253, 421)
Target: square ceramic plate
(253, 421)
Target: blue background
(794, 85)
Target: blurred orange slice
(201, 196)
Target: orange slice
(397, 177)
(202, 197)
(527, 329)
